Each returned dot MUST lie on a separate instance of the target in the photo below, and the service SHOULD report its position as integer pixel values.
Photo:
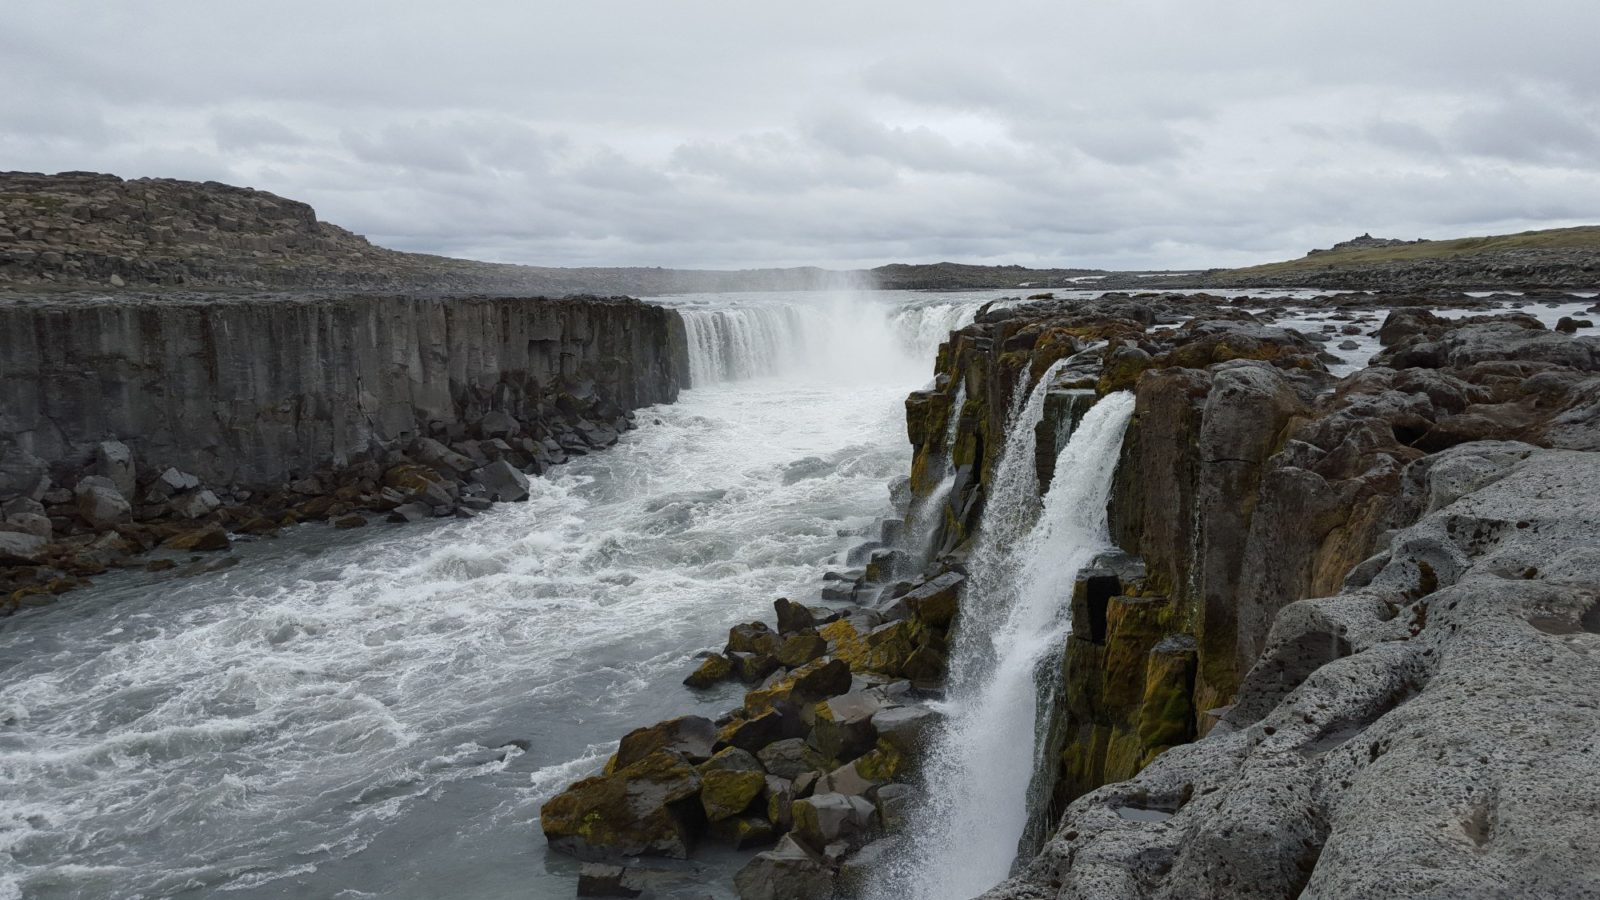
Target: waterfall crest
(822, 334)
(1014, 618)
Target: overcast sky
(1127, 134)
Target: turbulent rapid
(381, 712)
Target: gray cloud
(713, 133)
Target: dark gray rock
(789, 871)
(99, 502)
(195, 504)
(113, 460)
(18, 549)
(502, 481)
(789, 758)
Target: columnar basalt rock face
(132, 422)
(263, 389)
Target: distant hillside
(1557, 257)
(955, 276)
(81, 229)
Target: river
(342, 713)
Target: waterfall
(924, 327)
(927, 516)
(1013, 624)
(817, 335)
(735, 344)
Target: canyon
(1099, 594)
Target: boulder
(600, 880)
(847, 780)
(827, 680)
(411, 512)
(114, 462)
(502, 481)
(758, 731)
(729, 782)
(35, 524)
(171, 481)
(711, 670)
(894, 802)
(792, 616)
(843, 729)
(648, 808)
(195, 504)
(498, 424)
(211, 537)
(801, 648)
(752, 637)
(443, 458)
(823, 819)
(779, 795)
(100, 504)
(752, 667)
(690, 736)
(1426, 731)
(789, 758)
(789, 871)
(905, 727)
(18, 549)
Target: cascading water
(818, 335)
(732, 344)
(1013, 623)
(928, 514)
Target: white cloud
(717, 133)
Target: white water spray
(1015, 615)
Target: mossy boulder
(846, 643)
(752, 667)
(648, 808)
(691, 736)
(729, 783)
(801, 648)
(755, 732)
(883, 763)
(823, 678)
(753, 637)
(712, 669)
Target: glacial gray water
(341, 714)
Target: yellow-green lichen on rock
(729, 783)
(638, 810)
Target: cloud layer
(709, 133)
